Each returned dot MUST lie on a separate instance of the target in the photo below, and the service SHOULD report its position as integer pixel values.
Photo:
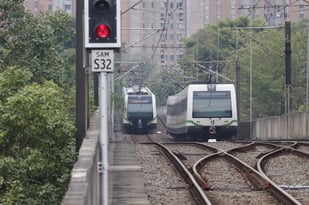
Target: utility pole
(237, 78)
(238, 87)
(288, 64)
(81, 80)
(287, 67)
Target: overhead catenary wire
(146, 37)
(165, 27)
(131, 69)
(258, 42)
(131, 7)
(281, 6)
(161, 30)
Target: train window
(139, 103)
(177, 108)
(212, 104)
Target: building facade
(43, 6)
(273, 12)
(152, 29)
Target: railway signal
(102, 24)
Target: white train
(140, 114)
(203, 111)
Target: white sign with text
(102, 60)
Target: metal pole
(218, 47)
(103, 103)
(112, 107)
(288, 73)
(96, 89)
(197, 53)
(250, 79)
(307, 84)
(81, 80)
(237, 78)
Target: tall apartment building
(43, 6)
(181, 18)
(274, 12)
(152, 30)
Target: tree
(219, 42)
(36, 143)
(38, 44)
(36, 93)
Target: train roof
(137, 90)
(211, 86)
(206, 87)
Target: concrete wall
(292, 127)
(84, 187)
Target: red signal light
(103, 31)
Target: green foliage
(38, 45)
(36, 144)
(37, 57)
(12, 80)
(33, 178)
(261, 56)
(170, 84)
(32, 113)
(117, 98)
(266, 53)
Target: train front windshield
(140, 105)
(212, 104)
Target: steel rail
(255, 177)
(187, 176)
(260, 167)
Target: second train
(203, 111)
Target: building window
(301, 16)
(67, 7)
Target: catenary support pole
(288, 74)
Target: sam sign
(102, 60)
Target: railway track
(283, 167)
(188, 181)
(229, 177)
(164, 177)
(189, 153)
(226, 172)
(250, 153)
(228, 180)
(302, 146)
